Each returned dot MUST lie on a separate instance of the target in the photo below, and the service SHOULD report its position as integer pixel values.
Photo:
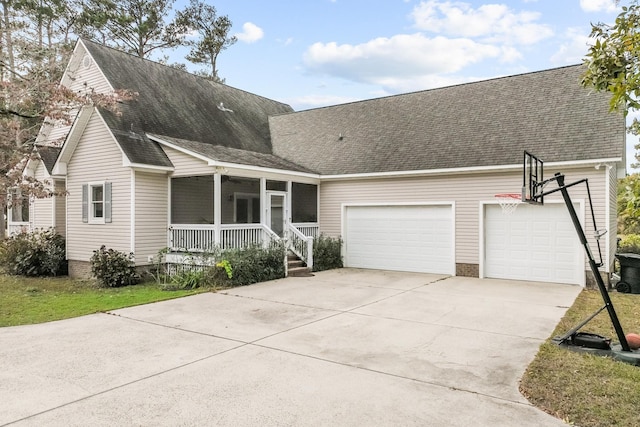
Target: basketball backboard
(532, 179)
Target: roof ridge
(484, 80)
(165, 66)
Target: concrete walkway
(346, 347)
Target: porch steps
(296, 267)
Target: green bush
(229, 268)
(37, 253)
(629, 244)
(252, 264)
(187, 279)
(327, 253)
(113, 268)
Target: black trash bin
(629, 273)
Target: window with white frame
(96, 202)
(19, 207)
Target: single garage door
(537, 243)
(403, 238)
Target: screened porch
(223, 211)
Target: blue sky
(313, 53)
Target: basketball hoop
(508, 202)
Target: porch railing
(202, 237)
(197, 238)
(300, 244)
(309, 229)
(192, 237)
(18, 227)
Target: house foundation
(467, 270)
(79, 269)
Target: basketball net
(508, 202)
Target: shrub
(629, 244)
(251, 265)
(113, 268)
(327, 253)
(187, 279)
(37, 253)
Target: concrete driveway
(346, 347)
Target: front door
(276, 211)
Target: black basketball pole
(594, 267)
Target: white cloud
(399, 57)
(598, 5)
(489, 22)
(573, 48)
(288, 41)
(250, 33)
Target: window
(19, 207)
(96, 202)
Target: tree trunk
(7, 34)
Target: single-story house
(407, 181)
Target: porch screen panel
(240, 200)
(192, 200)
(304, 202)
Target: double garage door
(535, 243)
(415, 238)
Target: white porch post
(263, 209)
(289, 201)
(263, 201)
(217, 206)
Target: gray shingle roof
(478, 124)
(49, 155)
(140, 149)
(233, 155)
(178, 104)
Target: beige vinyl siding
(97, 158)
(60, 203)
(79, 79)
(612, 236)
(186, 165)
(151, 215)
(41, 210)
(467, 191)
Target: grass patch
(28, 300)
(581, 389)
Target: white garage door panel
(404, 238)
(537, 243)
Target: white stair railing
(300, 245)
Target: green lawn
(585, 390)
(35, 300)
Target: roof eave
(217, 164)
(468, 170)
(71, 141)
